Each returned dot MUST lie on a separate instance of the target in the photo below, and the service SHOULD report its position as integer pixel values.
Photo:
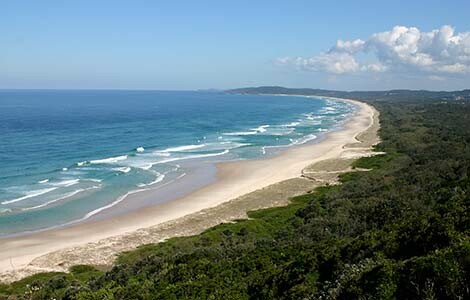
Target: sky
(185, 45)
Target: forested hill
(397, 95)
(398, 231)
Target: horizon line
(221, 90)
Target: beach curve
(57, 249)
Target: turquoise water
(69, 155)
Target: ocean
(67, 156)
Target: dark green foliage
(51, 285)
(398, 231)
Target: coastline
(97, 242)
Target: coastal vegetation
(399, 231)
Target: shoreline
(56, 249)
(199, 173)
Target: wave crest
(109, 160)
(30, 194)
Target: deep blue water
(66, 155)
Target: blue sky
(222, 44)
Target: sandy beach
(240, 186)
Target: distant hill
(399, 95)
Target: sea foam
(109, 160)
(192, 157)
(159, 178)
(292, 124)
(65, 182)
(5, 210)
(182, 148)
(253, 131)
(304, 139)
(119, 200)
(122, 169)
(68, 195)
(30, 194)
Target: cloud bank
(403, 49)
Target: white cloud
(349, 46)
(439, 51)
(376, 67)
(335, 63)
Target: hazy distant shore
(237, 187)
